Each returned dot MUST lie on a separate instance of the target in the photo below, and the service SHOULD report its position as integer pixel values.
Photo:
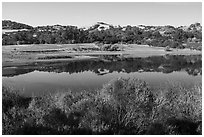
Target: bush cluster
(122, 106)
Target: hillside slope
(10, 25)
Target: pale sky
(120, 13)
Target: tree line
(130, 35)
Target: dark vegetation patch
(122, 106)
(7, 24)
(56, 57)
(11, 98)
(41, 51)
(194, 45)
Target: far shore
(20, 55)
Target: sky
(120, 13)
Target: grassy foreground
(122, 106)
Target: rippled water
(44, 78)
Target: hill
(12, 25)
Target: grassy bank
(21, 55)
(122, 106)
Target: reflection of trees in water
(166, 64)
(17, 71)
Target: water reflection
(192, 64)
(47, 77)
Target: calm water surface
(44, 78)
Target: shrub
(13, 120)
(176, 107)
(124, 106)
(58, 112)
(11, 98)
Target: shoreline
(19, 55)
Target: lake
(48, 77)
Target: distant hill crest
(12, 25)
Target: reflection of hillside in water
(107, 64)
